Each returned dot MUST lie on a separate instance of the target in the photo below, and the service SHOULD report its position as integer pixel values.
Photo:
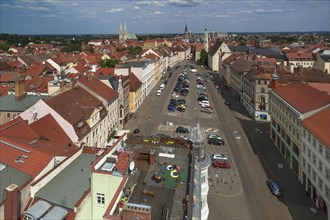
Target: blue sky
(161, 16)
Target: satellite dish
(131, 165)
(119, 148)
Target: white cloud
(87, 14)
(158, 13)
(136, 8)
(114, 10)
(222, 16)
(74, 3)
(50, 16)
(37, 8)
(155, 3)
(269, 10)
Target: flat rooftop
(167, 195)
(69, 185)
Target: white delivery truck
(162, 86)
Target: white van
(159, 92)
(162, 86)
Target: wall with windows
(103, 188)
(316, 169)
(285, 130)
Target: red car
(221, 164)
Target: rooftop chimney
(19, 87)
(274, 82)
(11, 204)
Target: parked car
(202, 98)
(204, 102)
(171, 108)
(181, 101)
(217, 156)
(159, 92)
(137, 133)
(215, 141)
(221, 164)
(183, 93)
(181, 109)
(162, 136)
(175, 95)
(206, 110)
(274, 187)
(182, 130)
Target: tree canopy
(203, 57)
(108, 63)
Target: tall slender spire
(125, 30)
(206, 39)
(120, 29)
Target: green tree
(203, 57)
(72, 47)
(4, 47)
(108, 63)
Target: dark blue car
(171, 108)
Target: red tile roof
(300, 56)
(74, 105)
(18, 138)
(321, 86)
(134, 83)
(319, 126)
(105, 72)
(50, 129)
(302, 97)
(99, 88)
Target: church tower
(274, 82)
(125, 33)
(206, 39)
(120, 33)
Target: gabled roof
(14, 144)
(215, 48)
(134, 83)
(300, 56)
(302, 97)
(74, 105)
(49, 128)
(319, 126)
(105, 72)
(242, 65)
(99, 88)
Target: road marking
(216, 130)
(208, 129)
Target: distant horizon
(74, 17)
(201, 33)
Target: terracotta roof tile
(319, 126)
(300, 56)
(321, 86)
(74, 105)
(134, 83)
(49, 128)
(105, 72)
(303, 97)
(99, 88)
(18, 138)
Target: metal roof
(55, 213)
(10, 175)
(9, 104)
(69, 185)
(37, 210)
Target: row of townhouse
(300, 129)
(319, 59)
(297, 107)
(41, 81)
